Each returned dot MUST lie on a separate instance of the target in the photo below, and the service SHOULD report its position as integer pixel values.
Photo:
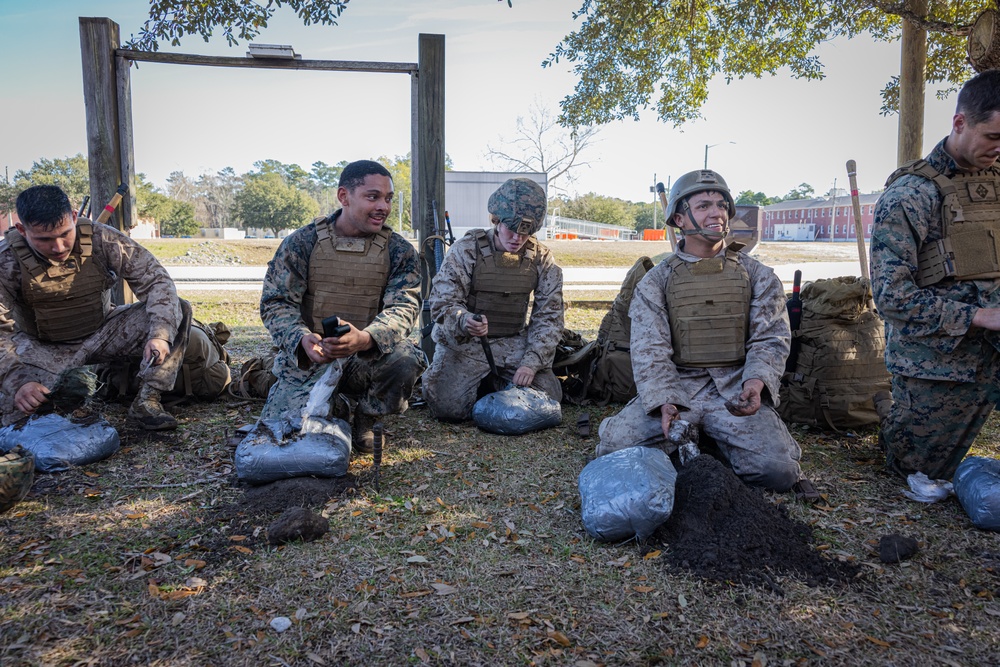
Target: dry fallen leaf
(702, 642)
(444, 589)
(241, 549)
(422, 654)
(558, 637)
(878, 642)
(416, 559)
(643, 589)
(517, 615)
(652, 555)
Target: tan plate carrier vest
(969, 247)
(501, 293)
(709, 306)
(66, 301)
(347, 276)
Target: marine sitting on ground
(709, 339)
(349, 265)
(482, 291)
(56, 275)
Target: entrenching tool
(662, 192)
(377, 430)
(852, 175)
(794, 307)
(486, 348)
(113, 204)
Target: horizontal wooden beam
(267, 63)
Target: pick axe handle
(113, 204)
(666, 223)
(487, 350)
(852, 175)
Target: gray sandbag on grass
(274, 449)
(516, 411)
(59, 443)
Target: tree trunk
(913, 58)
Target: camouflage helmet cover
(520, 205)
(703, 180)
(17, 472)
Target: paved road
(575, 278)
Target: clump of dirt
(723, 530)
(295, 492)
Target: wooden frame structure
(108, 98)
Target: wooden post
(913, 58)
(429, 158)
(99, 38)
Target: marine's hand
(476, 327)
(668, 413)
(748, 402)
(160, 347)
(312, 345)
(30, 396)
(350, 343)
(987, 318)
(524, 376)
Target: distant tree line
(273, 196)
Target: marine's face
(975, 146)
(54, 244)
(509, 240)
(366, 207)
(710, 211)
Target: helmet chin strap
(698, 231)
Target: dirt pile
(295, 492)
(724, 530)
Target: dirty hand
(160, 347)
(668, 413)
(987, 318)
(350, 343)
(748, 402)
(524, 376)
(477, 327)
(30, 396)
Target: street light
(713, 146)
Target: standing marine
(935, 266)
(710, 335)
(501, 284)
(350, 265)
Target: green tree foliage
(751, 198)
(70, 173)
(178, 219)
(240, 19)
(634, 54)
(402, 185)
(323, 180)
(804, 191)
(595, 208)
(269, 202)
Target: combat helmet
(702, 180)
(17, 472)
(519, 204)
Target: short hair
(980, 97)
(43, 206)
(355, 173)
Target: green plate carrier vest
(709, 306)
(500, 291)
(347, 276)
(969, 247)
(66, 301)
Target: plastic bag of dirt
(60, 443)
(276, 449)
(977, 487)
(516, 411)
(628, 493)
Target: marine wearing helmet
(679, 204)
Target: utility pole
(652, 189)
(833, 214)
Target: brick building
(820, 219)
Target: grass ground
(471, 553)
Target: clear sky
(198, 119)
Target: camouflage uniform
(380, 380)
(451, 384)
(945, 375)
(156, 314)
(759, 447)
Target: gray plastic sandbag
(275, 449)
(628, 493)
(977, 487)
(516, 411)
(59, 443)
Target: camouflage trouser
(123, 334)
(452, 383)
(932, 423)
(379, 386)
(759, 448)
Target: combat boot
(148, 411)
(362, 436)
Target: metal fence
(557, 226)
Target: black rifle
(794, 307)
